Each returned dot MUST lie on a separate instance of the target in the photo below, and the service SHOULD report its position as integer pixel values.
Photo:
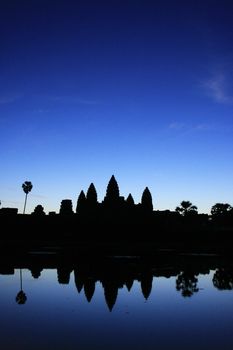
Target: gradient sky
(139, 89)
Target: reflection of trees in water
(223, 279)
(186, 282)
(21, 297)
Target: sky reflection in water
(57, 316)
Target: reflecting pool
(118, 302)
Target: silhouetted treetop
(186, 207)
(39, 210)
(146, 200)
(220, 209)
(27, 186)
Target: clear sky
(139, 89)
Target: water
(116, 305)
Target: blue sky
(139, 89)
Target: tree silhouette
(39, 210)
(81, 202)
(146, 200)
(27, 187)
(220, 209)
(186, 207)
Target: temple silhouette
(119, 223)
(112, 202)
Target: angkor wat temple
(119, 222)
(112, 201)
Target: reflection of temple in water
(115, 273)
(112, 278)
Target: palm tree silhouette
(186, 207)
(27, 187)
